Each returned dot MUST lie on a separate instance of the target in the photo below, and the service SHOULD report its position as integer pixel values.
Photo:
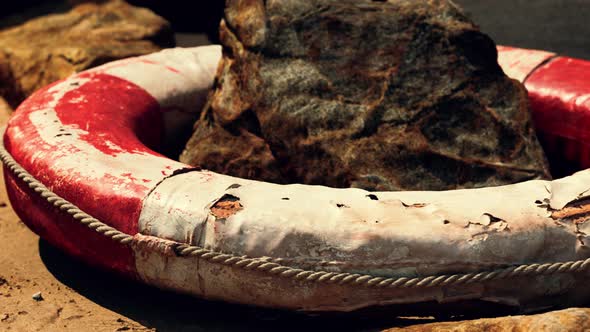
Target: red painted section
(107, 101)
(61, 231)
(518, 63)
(559, 94)
(108, 108)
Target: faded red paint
(109, 108)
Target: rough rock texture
(572, 320)
(380, 95)
(52, 47)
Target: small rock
(572, 320)
(38, 297)
(49, 48)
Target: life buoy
(81, 172)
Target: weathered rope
(64, 205)
(270, 265)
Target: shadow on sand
(168, 311)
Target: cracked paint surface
(356, 233)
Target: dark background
(562, 26)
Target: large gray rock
(380, 95)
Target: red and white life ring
(91, 138)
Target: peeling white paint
(470, 228)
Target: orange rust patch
(577, 212)
(226, 206)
